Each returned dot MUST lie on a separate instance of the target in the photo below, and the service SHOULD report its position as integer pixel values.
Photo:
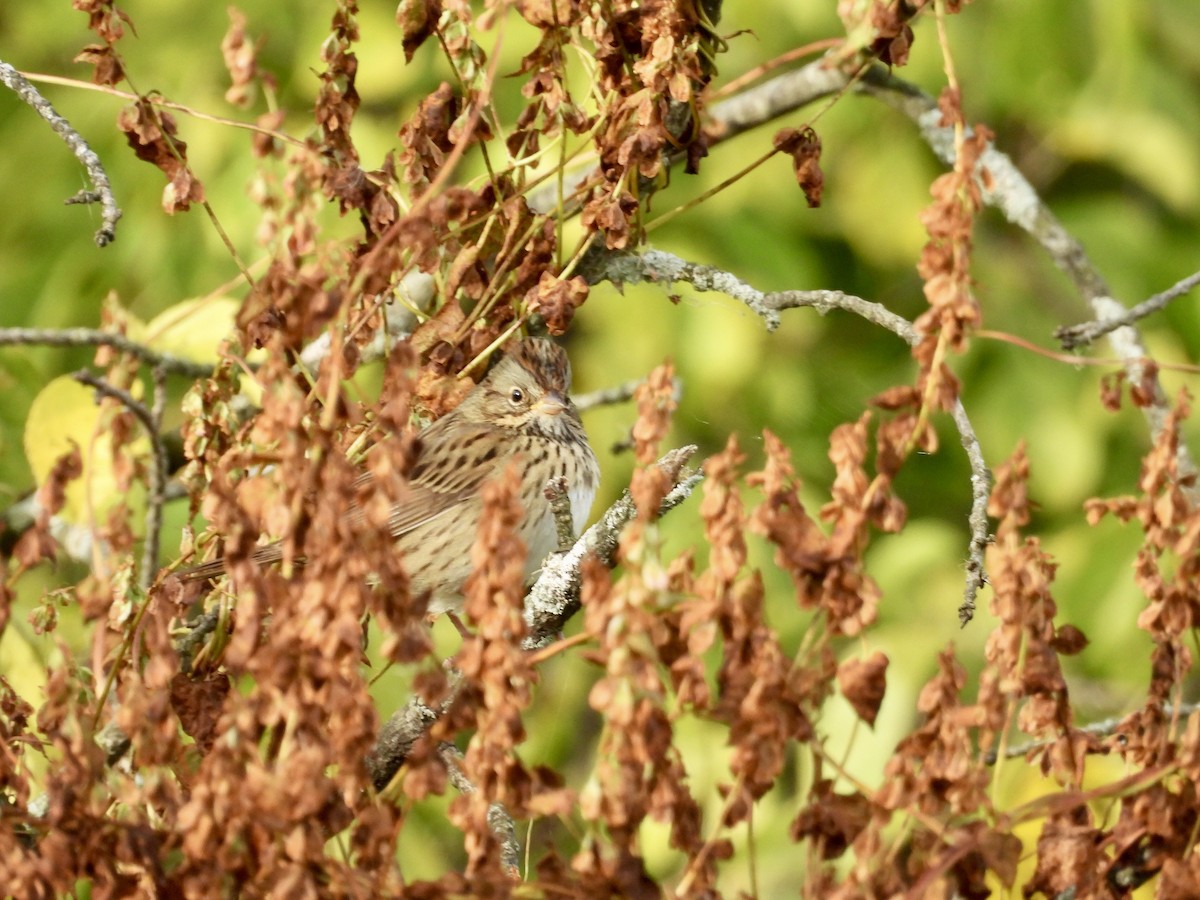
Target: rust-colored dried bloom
(827, 572)
(497, 676)
(863, 683)
(934, 768)
(1023, 650)
(1168, 565)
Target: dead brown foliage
(247, 714)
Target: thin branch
(110, 213)
(824, 301)
(981, 485)
(1103, 728)
(126, 399)
(655, 265)
(500, 823)
(981, 476)
(619, 393)
(92, 337)
(774, 98)
(151, 420)
(1073, 336)
(1010, 192)
(659, 267)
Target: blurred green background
(1097, 102)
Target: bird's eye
(516, 395)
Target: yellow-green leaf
(65, 413)
(194, 328)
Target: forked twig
(1073, 336)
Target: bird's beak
(552, 404)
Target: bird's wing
(452, 467)
(214, 568)
(455, 459)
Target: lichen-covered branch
(981, 485)
(110, 213)
(92, 337)
(499, 820)
(1073, 336)
(1006, 189)
(824, 301)
(397, 736)
(554, 597)
(657, 266)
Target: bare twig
(824, 301)
(1073, 336)
(619, 393)
(981, 477)
(151, 420)
(1103, 728)
(126, 399)
(500, 823)
(110, 213)
(92, 337)
(665, 268)
(770, 99)
(655, 265)
(981, 484)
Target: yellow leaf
(65, 413)
(194, 328)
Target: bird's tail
(214, 568)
